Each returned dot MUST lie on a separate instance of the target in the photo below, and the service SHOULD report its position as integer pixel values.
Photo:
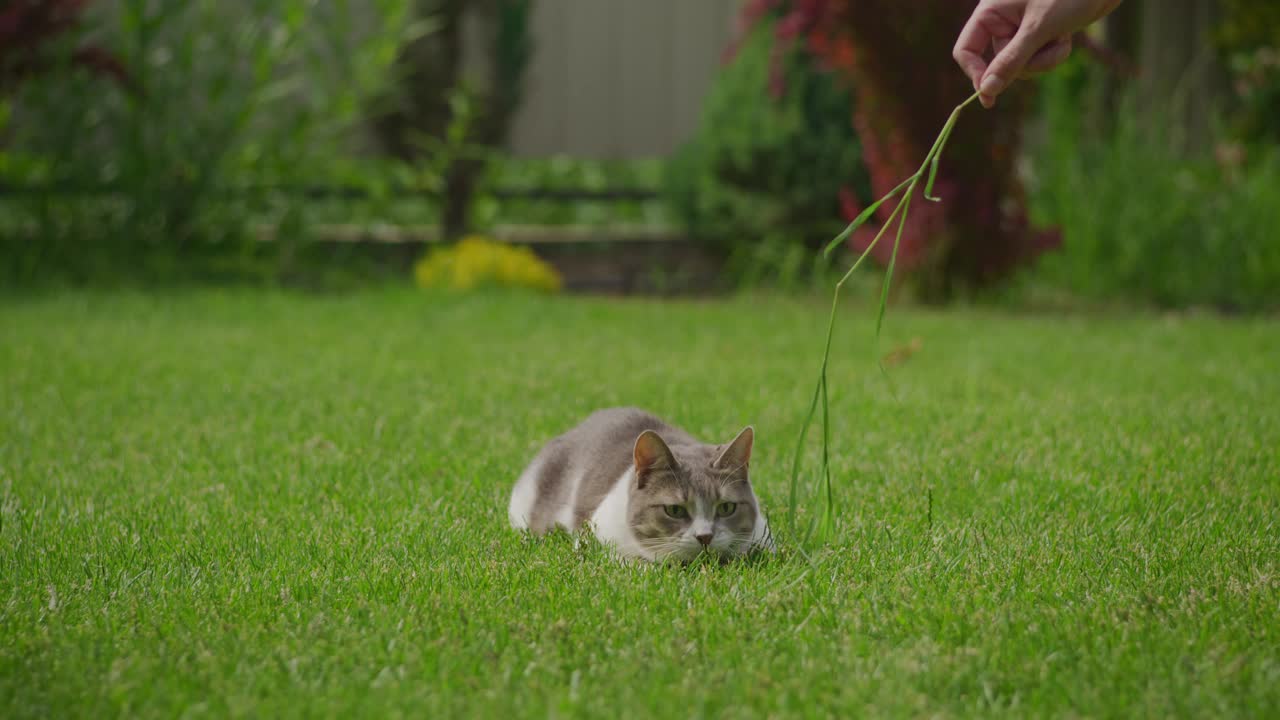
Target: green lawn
(270, 504)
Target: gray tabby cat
(648, 489)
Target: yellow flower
(477, 261)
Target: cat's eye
(725, 509)
(678, 512)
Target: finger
(1010, 62)
(1106, 10)
(1049, 57)
(971, 47)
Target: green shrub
(1249, 38)
(250, 94)
(762, 178)
(1143, 223)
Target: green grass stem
(907, 188)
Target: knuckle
(1033, 27)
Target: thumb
(1010, 61)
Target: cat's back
(616, 428)
(571, 475)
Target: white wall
(619, 78)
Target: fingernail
(992, 85)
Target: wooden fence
(620, 78)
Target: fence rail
(355, 192)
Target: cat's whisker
(667, 546)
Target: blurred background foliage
(1156, 206)
(762, 179)
(889, 52)
(226, 104)
(1249, 39)
(1144, 222)
(148, 141)
(432, 113)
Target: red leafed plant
(29, 27)
(896, 56)
(796, 20)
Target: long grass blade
(937, 159)
(795, 460)
(828, 513)
(934, 158)
(863, 218)
(893, 261)
(793, 495)
(820, 394)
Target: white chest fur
(610, 523)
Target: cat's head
(689, 499)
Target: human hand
(1026, 37)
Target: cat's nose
(704, 538)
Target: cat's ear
(737, 456)
(651, 453)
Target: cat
(648, 489)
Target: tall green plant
(1249, 37)
(1146, 225)
(229, 95)
(417, 119)
(765, 183)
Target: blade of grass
(828, 514)
(929, 164)
(795, 460)
(935, 155)
(933, 165)
(862, 219)
(893, 262)
(826, 356)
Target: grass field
(267, 504)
